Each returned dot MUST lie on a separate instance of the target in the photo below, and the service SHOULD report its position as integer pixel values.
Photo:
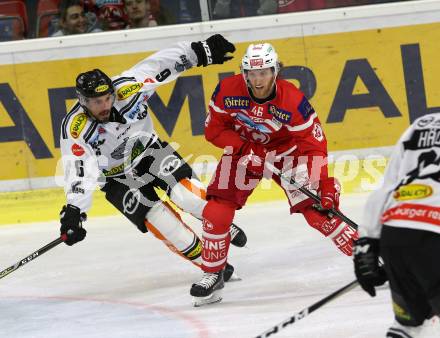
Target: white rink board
(118, 284)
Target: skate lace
(233, 231)
(208, 280)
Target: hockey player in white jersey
(108, 140)
(402, 225)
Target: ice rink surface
(124, 284)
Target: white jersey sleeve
(163, 66)
(81, 172)
(376, 203)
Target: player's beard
(262, 91)
(104, 115)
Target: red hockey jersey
(286, 124)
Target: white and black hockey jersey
(92, 150)
(410, 196)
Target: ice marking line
(201, 329)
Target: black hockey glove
(213, 50)
(71, 224)
(366, 264)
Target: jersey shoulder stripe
(89, 132)
(122, 79)
(65, 121)
(130, 104)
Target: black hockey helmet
(93, 83)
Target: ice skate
(398, 330)
(208, 289)
(229, 274)
(238, 237)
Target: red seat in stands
(13, 20)
(47, 15)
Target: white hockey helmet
(260, 56)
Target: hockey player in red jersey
(256, 117)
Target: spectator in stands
(240, 8)
(139, 13)
(182, 11)
(287, 6)
(110, 13)
(73, 19)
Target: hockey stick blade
(305, 312)
(309, 194)
(32, 256)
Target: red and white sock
(217, 218)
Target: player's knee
(190, 196)
(407, 319)
(165, 224)
(220, 214)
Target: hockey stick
(308, 193)
(305, 312)
(33, 255)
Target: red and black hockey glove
(252, 156)
(213, 50)
(366, 264)
(71, 224)
(329, 191)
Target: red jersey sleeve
(309, 136)
(219, 128)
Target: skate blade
(234, 278)
(215, 297)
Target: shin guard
(190, 196)
(165, 224)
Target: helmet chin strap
(87, 111)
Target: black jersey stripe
(119, 80)
(397, 333)
(90, 131)
(130, 105)
(66, 119)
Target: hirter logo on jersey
(280, 114)
(77, 150)
(236, 102)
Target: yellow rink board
(45, 204)
(361, 93)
